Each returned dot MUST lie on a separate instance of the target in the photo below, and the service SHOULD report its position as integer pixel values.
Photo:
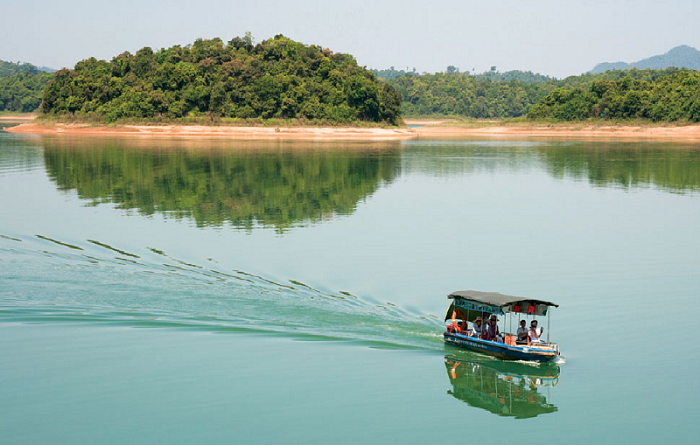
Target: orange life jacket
(454, 321)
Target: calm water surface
(209, 291)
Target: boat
(469, 305)
(507, 389)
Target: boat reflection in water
(510, 389)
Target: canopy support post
(510, 312)
(549, 317)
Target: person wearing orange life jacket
(535, 332)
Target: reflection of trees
(18, 153)
(503, 388)
(668, 167)
(272, 185)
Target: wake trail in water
(47, 279)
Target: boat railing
(541, 345)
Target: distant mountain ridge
(683, 56)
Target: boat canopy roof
(495, 299)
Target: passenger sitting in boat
(477, 329)
(535, 332)
(523, 333)
(492, 330)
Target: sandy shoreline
(417, 121)
(687, 132)
(29, 117)
(432, 130)
(218, 131)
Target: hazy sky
(558, 38)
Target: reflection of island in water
(672, 167)
(271, 184)
(507, 389)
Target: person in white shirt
(535, 332)
(477, 328)
(523, 333)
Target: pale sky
(554, 37)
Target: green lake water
(210, 291)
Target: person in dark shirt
(523, 333)
(492, 332)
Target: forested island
(211, 80)
(288, 83)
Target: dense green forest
(462, 95)
(277, 78)
(493, 74)
(585, 80)
(393, 73)
(23, 91)
(507, 76)
(280, 78)
(279, 188)
(668, 98)
(484, 96)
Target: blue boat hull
(501, 350)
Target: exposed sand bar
(417, 121)
(686, 132)
(217, 131)
(431, 130)
(23, 117)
